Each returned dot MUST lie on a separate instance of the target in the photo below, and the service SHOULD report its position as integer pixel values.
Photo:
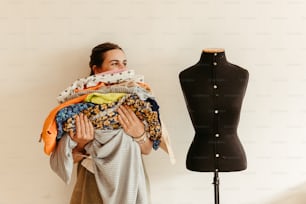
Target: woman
(104, 57)
(110, 167)
(108, 57)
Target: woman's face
(113, 60)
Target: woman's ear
(95, 69)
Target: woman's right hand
(84, 131)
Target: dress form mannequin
(214, 90)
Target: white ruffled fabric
(94, 80)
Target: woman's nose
(122, 66)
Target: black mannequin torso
(214, 90)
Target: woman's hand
(130, 122)
(84, 131)
(134, 127)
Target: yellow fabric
(102, 98)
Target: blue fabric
(68, 112)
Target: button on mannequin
(214, 90)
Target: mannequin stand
(216, 186)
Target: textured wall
(45, 45)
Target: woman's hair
(97, 54)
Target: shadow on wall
(295, 195)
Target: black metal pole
(216, 186)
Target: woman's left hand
(134, 127)
(130, 123)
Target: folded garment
(123, 87)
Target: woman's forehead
(115, 54)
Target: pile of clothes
(113, 155)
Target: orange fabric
(144, 85)
(49, 131)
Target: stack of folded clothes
(113, 154)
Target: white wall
(45, 45)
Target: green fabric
(102, 98)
